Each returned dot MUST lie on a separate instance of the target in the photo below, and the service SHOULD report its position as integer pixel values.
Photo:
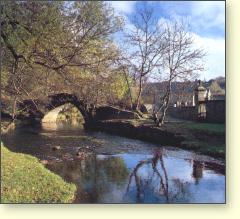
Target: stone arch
(43, 109)
(52, 115)
(57, 103)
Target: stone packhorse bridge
(47, 110)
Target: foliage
(25, 180)
(215, 88)
(112, 164)
(70, 113)
(68, 47)
(58, 47)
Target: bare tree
(181, 61)
(147, 45)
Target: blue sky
(206, 20)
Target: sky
(206, 20)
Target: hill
(182, 91)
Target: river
(112, 169)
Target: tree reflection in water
(125, 178)
(157, 183)
(94, 177)
(197, 171)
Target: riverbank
(6, 126)
(205, 138)
(26, 180)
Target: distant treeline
(182, 91)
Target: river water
(112, 169)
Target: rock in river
(54, 148)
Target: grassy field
(26, 180)
(206, 127)
(207, 138)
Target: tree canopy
(51, 47)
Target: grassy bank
(26, 180)
(205, 127)
(206, 138)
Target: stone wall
(110, 112)
(188, 112)
(215, 111)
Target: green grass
(207, 138)
(26, 180)
(212, 149)
(207, 127)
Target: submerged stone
(54, 148)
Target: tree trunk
(129, 91)
(139, 94)
(164, 110)
(164, 107)
(161, 121)
(14, 108)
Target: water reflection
(93, 174)
(143, 184)
(197, 170)
(112, 169)
(136, 178)
(61, 125)
(155, 186)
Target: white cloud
(209, 8)
(123, 7)
(215, 58)
(163, 21)
(207, 15)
